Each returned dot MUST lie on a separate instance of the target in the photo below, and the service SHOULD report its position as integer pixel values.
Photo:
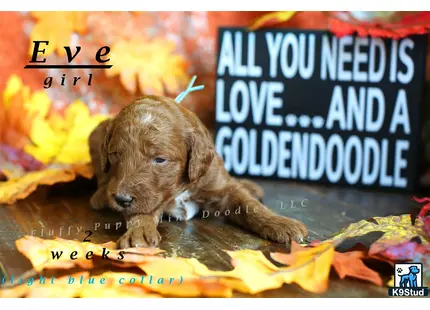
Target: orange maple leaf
(38, 251)
(347, 264)
(252, 272)
(181, 280)
(15, 120)
(404, 24)
(351, 264)
(21, 187)
(29, 125)
(56, 28)
(148, 66)
(102, 286)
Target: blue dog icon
(410, 278)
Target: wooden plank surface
(63, 210)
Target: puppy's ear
(200, 151)
(104, 158)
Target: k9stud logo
(408, 280)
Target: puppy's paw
(283, 229)
(98, 201)
(143, 236)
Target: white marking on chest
(183, 209)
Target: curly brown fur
(124, 154)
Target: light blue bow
(189, 89)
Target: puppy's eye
(160, 160)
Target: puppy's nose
(123, 200)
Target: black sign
(307, 105)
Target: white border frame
(219, 5)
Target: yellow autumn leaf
(55, 139)
(252, 272)
(56, 28)
(395, 229)
(71, 286)
(61, 288)
(39, 252)
(46, 143)
(13, 86)
(310, 269)
(190, 286)
(192, 283)
(64, 140)
(15, 119)
(278, 17)
(178, 279)
(106, 285)
(38, 104)
(60, 142)
(148, 66)
(18, 188)
(390, 283)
